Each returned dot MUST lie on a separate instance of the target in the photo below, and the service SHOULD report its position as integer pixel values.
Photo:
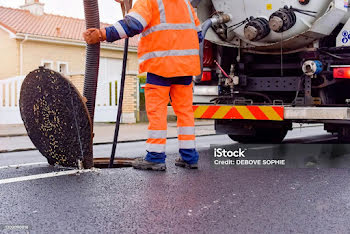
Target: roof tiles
(48, 25)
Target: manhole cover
(56, 118)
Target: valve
(312, 67)
(282, 20)
(256, 29)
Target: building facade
(30, 38)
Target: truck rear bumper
(274, 113)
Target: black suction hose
(92, 19)
(221, 19)
(92, 66)
(195, 3)
(205, 26)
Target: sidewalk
(15, 138)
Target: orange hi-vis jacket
(169, 44)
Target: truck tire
(344, 135)
(342, 131)
(263, 136)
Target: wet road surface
(208, 200)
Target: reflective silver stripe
(189, 10)
(161, 11)
(139, 18)
(199, 28)
(187, 144)
(158, 148)
(185, 130)
(158, 54)
(161, 27)
(120, 30)
(157, 134)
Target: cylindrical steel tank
(268, 25)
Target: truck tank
(288, 58)
(267, 26)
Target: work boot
(142, 164)
(181, 163)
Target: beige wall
(78, 81)
(34, 53)
(130, 93)
(130, 99)
(9, 50)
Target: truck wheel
(344, 135)
(342, 130)
(263, 135)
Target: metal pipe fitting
(218, 19)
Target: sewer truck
(268, 64)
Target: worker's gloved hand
(94, 35)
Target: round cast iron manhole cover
(56, 118)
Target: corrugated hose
(92, 63)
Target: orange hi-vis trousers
(158, 92)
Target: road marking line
(23, 165)
(42, 176)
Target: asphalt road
(208, 200)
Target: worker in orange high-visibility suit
(169, 52)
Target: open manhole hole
(103, 163)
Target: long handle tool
(126, 5)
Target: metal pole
(125, 5)
(120, 103)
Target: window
(47, 64)
(62, 67)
